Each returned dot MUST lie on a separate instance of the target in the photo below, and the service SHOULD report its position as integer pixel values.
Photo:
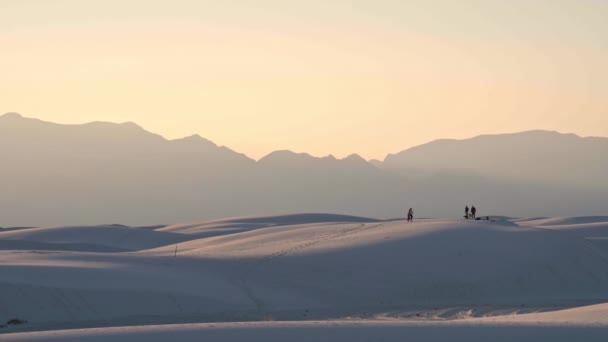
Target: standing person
(466, 212)
(473, 211)
(410, 215)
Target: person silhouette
(466, 212)
(410, 215)
(473, 211)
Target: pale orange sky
(371, 77)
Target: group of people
(468, 213)
(471, 215)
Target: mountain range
(104, 172)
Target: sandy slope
(242, 224)
(588, 324)
(564, 221)
(303, 267)
(109, 236)
(586, 315)
(534, 327)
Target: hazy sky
(318, 76)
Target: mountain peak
(355, 157)
(530, 133)
(537, 136)
(11, 115)
(130, 124)
(286, 157)
(284, 154)
(14, 119)
(355, 160)
(196, 139)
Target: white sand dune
(98, 238)
(564, 221)
(241, 224)
(553, 327)
(592, 230)
(586, 315)
(301, 268)
(57, 246)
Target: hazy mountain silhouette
(105, 172)
(536, 156)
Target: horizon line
(330, 155)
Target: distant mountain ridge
(105, 172)
(534, 156)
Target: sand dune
(586, 315)
(241, 224)
(592, 230)
(57, 246)
(109, 237)
(351, 331)
(300, 268)
(565, 221)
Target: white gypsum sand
(308, 273)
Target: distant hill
(119, 173)
(536, 156)
(101, 172)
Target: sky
(324, 77)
